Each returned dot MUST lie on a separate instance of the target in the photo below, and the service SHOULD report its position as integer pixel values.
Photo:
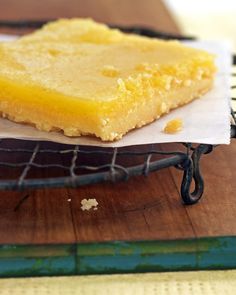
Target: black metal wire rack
(32, 165)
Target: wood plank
(141, 209)
(44, 218)
(215, 214)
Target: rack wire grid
(32, 165)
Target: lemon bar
(83, 78)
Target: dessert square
(83, 78)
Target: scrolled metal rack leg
(192, 173)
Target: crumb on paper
(87, 204)
(173, 126)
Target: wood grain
(215, 214)
(45, 216)
(142, 208)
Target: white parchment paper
(206, 120)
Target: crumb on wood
(88, 204)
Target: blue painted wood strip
(37, 260)
(146, 256)
(216, 253)
(118, 257)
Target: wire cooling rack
(32, 165)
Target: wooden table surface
(144, 207)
